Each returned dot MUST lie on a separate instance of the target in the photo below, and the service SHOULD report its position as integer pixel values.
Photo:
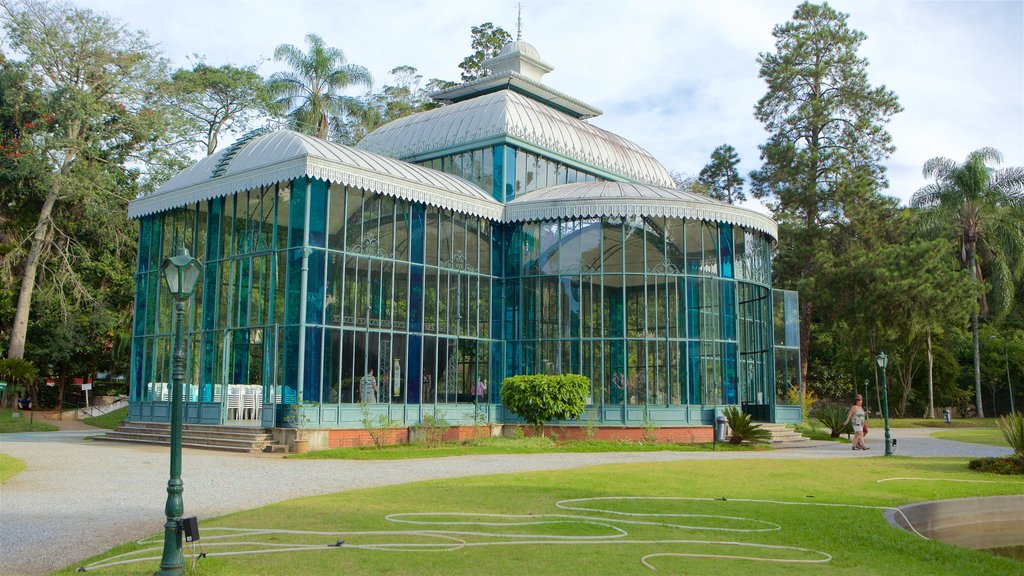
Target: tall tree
(487, 42)
(985, 208)
(312, 89)
(97, 79)
(720, 176)
(217, 99)
(826, 143)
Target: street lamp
(181, 273)
(882, 360)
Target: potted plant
(298, 420)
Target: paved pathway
(79, 497)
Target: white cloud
(678, 77)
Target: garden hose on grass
(456, 538)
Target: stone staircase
(226, 438)
(784, 436)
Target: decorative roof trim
(522, 210)
(312, 167)
(526, 85)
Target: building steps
(783, 436)
(225, 438)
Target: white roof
(285, 155)
(605, 199)
(507, 113)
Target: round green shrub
(540, 398)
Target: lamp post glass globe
(181, 273)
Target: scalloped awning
(285, 155)
(623, 199)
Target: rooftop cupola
(521, 57)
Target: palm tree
(312, 88)
(983, 205)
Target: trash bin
(721, 428)
(946, 415)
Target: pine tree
(827, 139)
(720, 176)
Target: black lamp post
(181, 272)
(883, 361)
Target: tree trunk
(972, 263)
(19, 329)
(28, 280)
(931, 385)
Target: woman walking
(857, 417)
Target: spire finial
(519, 23)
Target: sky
(678, 77)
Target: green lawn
(510, 524)
(9, 466)
(9, 423)
(528, 445)
(936, 422)
(990, 437)
(108, 421)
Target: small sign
(3, 385)
(87, 386)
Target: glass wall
(786, 318)
(649, 308)
(521, 170)
(319, 293)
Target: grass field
(692, 517)
(990, 437)
(108, 421)
(9, 466)
(9, 423)
(528, 445)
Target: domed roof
(623, 199)
(506, 113)
(265, 159)
(521, 46)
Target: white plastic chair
(234, 403)
(249, 405)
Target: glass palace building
(499, 234)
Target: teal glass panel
(156, 257)
(693, 361)
(634, 230)
(290, 365)
(509, 307)
(313, 366)
(417, 233)
(239, 356)
(315, 287)
(336, 217)
(725, 247)
(709, 265)
(727, 290)
(487, 173)
(615, 355)
(729, 378)
(510, 178)
(145, 233)
(293, 288)
(296, 215)
(139, 322)
(694, 247)
(740, 253)
(693, 299)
